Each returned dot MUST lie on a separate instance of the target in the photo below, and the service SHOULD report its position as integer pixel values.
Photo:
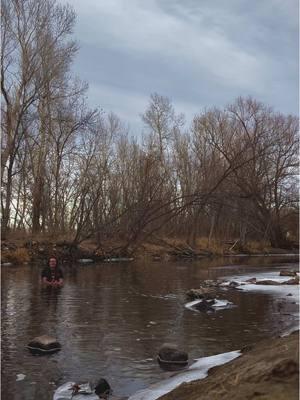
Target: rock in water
(103, 389)
(251, 280)
(44, 345)
(293, 281)
(287, 273)
(267, 282)
(205, 305)
(170, 355)
(201, 293)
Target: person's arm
(60, 280)
(45, 278)
(45, 281)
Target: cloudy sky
(199, 53)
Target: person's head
(52, 262)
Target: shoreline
(266, 370)
(21, 251)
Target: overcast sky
(199, 53)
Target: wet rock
(201, 293)
(102, 389)
(287, 273)
(294, 281)
(169, 354)
(267, 282)
(211, 283)
(233, 284)
(205, 305)
(44, 345)
(251, 280)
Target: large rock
(103, 389)
(287, 273)
(201, 293)
(170, 354)
(44, 345)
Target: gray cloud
(197, 52)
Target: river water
(111, 319)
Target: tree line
(69, 170)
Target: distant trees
(73, 171)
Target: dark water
(112, 318)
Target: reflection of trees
(102, 310)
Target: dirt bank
(267, 371)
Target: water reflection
(111, 319)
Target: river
(111, 319)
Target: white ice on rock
(198, 370)
(218, 305)
(64, 392)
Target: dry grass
(214, 246)
(18, 256)
(253, 246)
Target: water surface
(112, 318)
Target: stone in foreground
(169, 355)
(44, 345)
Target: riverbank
(268, 370)
(22, 250)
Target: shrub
(18, 256)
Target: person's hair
(48, 262)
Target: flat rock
(293, 281)
(44, 344)
(267, 282)
(287, 273)
(170, 354)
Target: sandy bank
(267, 371)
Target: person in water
(52, 275)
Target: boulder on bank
(44, 345)
(288, 273)
(169, 354)
(201, 293)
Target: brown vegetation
(268, 371)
